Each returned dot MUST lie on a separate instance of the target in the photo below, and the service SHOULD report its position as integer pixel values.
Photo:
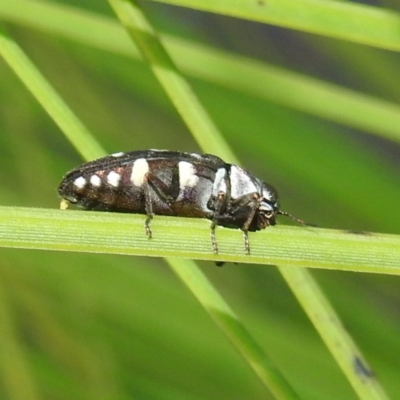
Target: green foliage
(114, 326)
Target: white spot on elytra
(139, 169)
(187, 175)
(241, 182)
(95, 180)
(113, 178)
(269, 194)
(219, 182)
(195, 155)
(119, 154)
(80, 182)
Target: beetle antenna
(293, 218)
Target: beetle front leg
(248, 202)
(246, 225)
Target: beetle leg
(246, 225)
(213, 239)
(163, 191)
(246, 241)
(168, 192)
(218, 204)
(148, 206)
(251, 202)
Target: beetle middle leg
(166, 193)
(218, 205)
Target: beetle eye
(268, 214)
(267, 208)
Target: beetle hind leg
(149, 233)
(148, 208)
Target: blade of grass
(329, 326)
(311, 305)
(112, 233)
(176, 87)
(135, 21)
(45, 94)
(358, 23)
(348, 107)
(269, 376)
(231, 325)
(198, 121)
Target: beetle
(163, 182)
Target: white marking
(219, 182)
(241, 182)
(80, 182)
(119, 154)
(139, 169)
(269, 194)
(95, 180)
(113, 178)
(195, 155)
(187, 175)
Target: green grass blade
(293, 90)
(175, 85)
(231, 325)
(207, 135)
(48, 97)
(112, 233)
(290, 89)
(386, 241)
(276, 382)
(335, 336)
(358, 23)
(138, 26)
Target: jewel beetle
(163, 182)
